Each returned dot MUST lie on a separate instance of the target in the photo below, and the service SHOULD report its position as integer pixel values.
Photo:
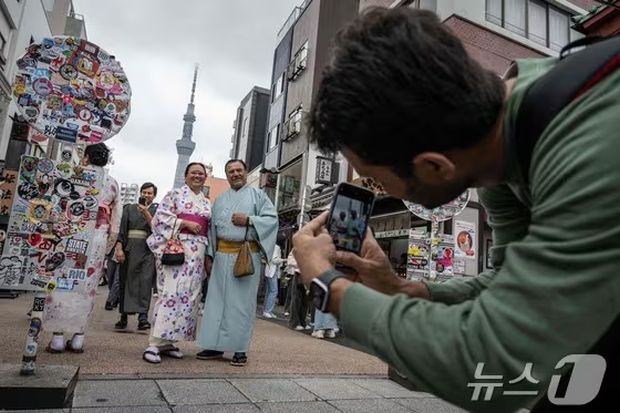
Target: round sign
(65, 83)
(443, 212)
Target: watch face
(319, 296)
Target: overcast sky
(158, 42)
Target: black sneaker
(209, 355)
(239, 359)
(122, 324)
(143, 325)
(109, 306)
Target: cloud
(158, 42)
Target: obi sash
(199, 219)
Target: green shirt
(555, 287)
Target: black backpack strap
(570, 77)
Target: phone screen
(350, 212)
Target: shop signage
(392, 234)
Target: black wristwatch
(319, 288)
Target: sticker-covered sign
(52, 222)
(72, 90)
(441, 213)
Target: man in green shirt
(407, 106)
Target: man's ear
(433, 168)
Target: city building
(129, 193)
(303, 50)
(185, 145)
(249, 128)
(495, 33)
(214, 187)
(601, 20)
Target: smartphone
(142, 200)
(348, 219)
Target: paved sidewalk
(298, 394)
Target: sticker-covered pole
(29, 356)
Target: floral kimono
(179, 287)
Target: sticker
(43, 86)
(85, 115)
(51, 286)
(68, 72)
(28, 191)
(40, 210)
(63, 187)
(39, 304)
(90, 202)
(75, 210)
(66, 155)
(64, 169)
(45, 166)
(77, 245)
(54, 261)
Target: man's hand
(314, 249)
(119, 254)
(208, 265)
(374, 270)
(240, 220)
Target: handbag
(174, 253)
(244, 265)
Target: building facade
(293, 170)
(129, 193)
(249, 128)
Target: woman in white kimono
(69, 312)
(184, 213)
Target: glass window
(537, 22)
(274, 134)
(515, 16)
(558, 29)
(494, 11)
(546, 25)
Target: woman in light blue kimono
(230, 309)
(184, 213)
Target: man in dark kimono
(137, 264)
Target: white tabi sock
(77, 342)
(58, 342)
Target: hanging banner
(72, 90)
(7, 190)
(465, 240)
(52, 221)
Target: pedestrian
(325, 325)
(137, 263)
(69, 312)
(406, 105)
(272, 275)
(299, 297)
(183, 215)
(241, 213)
(111, 273)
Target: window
(299, 63)
(278, 87)
(274, 135)
(558, 29)
(537, 20)
(293, 124)
(244, 130)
